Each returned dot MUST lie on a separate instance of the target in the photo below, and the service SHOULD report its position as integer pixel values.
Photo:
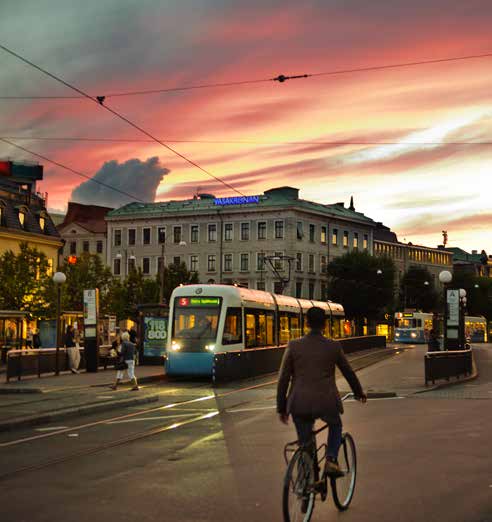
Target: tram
(414, 327)
(206, 319)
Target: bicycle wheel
(343, 487)
(299, 494)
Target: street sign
(90, 307)
(453, 299)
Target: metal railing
(447, 364)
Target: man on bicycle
(309, 365)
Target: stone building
(234, 240)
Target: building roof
(462, 256)
(384, 233)
(280, 197)
(90, 217)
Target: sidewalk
(36, 401)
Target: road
(205, 455)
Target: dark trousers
(304, 427)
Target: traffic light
(72, 260)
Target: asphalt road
(217, 456)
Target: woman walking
(126, 361)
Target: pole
(161, 286)
(58, 325)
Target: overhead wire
(70, 169)
(281, 78)
(100, 101)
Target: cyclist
(308, 366)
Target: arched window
(42, 221)
(22, 217)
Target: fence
(444, 365)
(229, 366)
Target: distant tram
(205, 319)
(414, 327)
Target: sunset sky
(409, 161)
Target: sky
(417, 141)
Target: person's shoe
(135, 388)
(332, 469)
(73, 371)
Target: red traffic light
(72, 260)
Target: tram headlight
(175, 346)
(397, 334)
(413, 335)
(210, 347)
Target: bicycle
(302, 479)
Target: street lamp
(379, 271)
(445, 277)
(59, 278)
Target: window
(322, 262)
(299, 262)
(177, 234)
(365, 242)
(228, 230)
(176, 260)
(117, 266)
(311, 265)
(194, 263)
(211, 263)
(260, 261)
(260, 285)
(160, 262)
(146, 265)
(324, 235)
(278, 263)
(324, 295)
(299, 231)
(244, 262)
(194, 233)
(311, 290)
(277, 287)
(227, 262)
(42, 221)
(146, 236)
(244, 231)
(334, 237)
(262, 230)
(99, 247)
(259, 328)
(345, 239)
(117, 238)
(233, 331)
(212, 232)
(312, 233)
(279, 230)
(73, 247)
(299, 289)
(131, 264)
(132, 234)
(22, 217)
(85, 246)
(161, 235)
(355, 240)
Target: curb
(35, 420)
(141, 380)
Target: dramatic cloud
(135, 177)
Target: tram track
(358, 363)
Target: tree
(478, 293)
(25, 282)
(356, 283)
(415, 293)
(175, 275)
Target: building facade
(477, 264)
(239, 240)
(23, 214)
(84, 230)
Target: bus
(206, 319)
(414, 327)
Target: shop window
(233, 327)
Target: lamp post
(445, 277)
(58, 278)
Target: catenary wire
(70, 169)
(281, 78)
(100, 101)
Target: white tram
(205, 319)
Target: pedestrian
(29, 337)
(36, 340)
(307, 387)
(134, 340)
(72, 350)
(126, 362)
(433, 343)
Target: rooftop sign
(237, 200)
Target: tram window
(336, 328)
(250, 331)
(270, 337)
(326, 331)
(284, 332)
(295, 327)
(233, 327)
(261, 339)
(305, 327)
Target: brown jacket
(308, 366)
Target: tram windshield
(196, 317)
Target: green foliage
(175, 275)
(414, 293)
(479, 300)
(25, 283)
(355, 283)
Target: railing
(447, 364)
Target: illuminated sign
(237, 200)
(407, 315)
(199, 301)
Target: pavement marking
(73, 435)
(159, 417)
(251, 409)
(105, 396)
(52, 428)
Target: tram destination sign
(199, 301)
(237, 200)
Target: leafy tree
(478, 293)
(357, 285)
(25, 282)
(175, 275)
(415, 293)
